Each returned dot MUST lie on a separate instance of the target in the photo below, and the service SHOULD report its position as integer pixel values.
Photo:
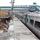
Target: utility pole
(12, 4)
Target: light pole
(12, 4)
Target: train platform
(18, 31)
(22, 32)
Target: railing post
(34, 23)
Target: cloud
(26, 2)
(18, 2)
(5, 2)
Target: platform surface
(22, 32)
(18, 31)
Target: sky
(18, 2)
